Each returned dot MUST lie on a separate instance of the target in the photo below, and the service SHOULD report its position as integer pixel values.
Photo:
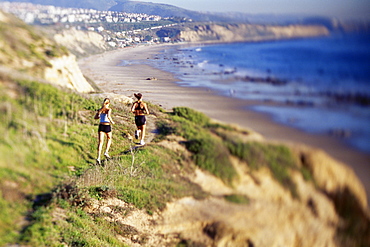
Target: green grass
(38, 144)
(47, 144)
(212, 144)
(277, 158)
(48, 176)
(147, 183)
(209, 153)
(193, 116)
(23, 42)
(71, 226)
(238, 199)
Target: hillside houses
(43, 14)
(92, 20)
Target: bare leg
(109, 142)
(100, 142)
(137, 132)
(143, 132)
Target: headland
(162, 88)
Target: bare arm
(97, 115)
(146, 108)
(109, 116)
(133, 107)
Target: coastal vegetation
(50, 183)
(47, 151)
(32, 52)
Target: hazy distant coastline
(122, 26)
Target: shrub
(46, 100)
(277, 158)
(209, 152)
(211, 155)
(164, 128)
(191, 115)
(237, 198)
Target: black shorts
(104, 128)
(140, 120)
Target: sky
(337, 8)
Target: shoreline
(168, 92)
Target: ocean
(318, 85)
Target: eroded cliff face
(273, 217)
(81, 43)
(27, 50)
(64, 71)
(248, 32)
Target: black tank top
(139, 106)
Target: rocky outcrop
(272, 216)
(64, 71)
(332, 177)
(81, 43)
(249, 32)
(27, 50)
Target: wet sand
(105, 71)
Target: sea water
(319, 85)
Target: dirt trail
(107, 71)
(271, 218)
(151, 129)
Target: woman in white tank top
(104, 114)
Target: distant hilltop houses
(47, 14)
(90, 20)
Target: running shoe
(142, 142)
(106, 155)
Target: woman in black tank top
(139, 108)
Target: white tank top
(104, 118)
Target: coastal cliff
(309, 200)
(249, 32)
(270, 216)
(27, 50)
(196, 183)
(80, 43)
(64, 71)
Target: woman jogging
(104, 114)
(139, 108)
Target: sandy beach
(126, 80)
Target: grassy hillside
(49, 181)
(47, 164)
(52, 193)
(24, 48)
(48, 147)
